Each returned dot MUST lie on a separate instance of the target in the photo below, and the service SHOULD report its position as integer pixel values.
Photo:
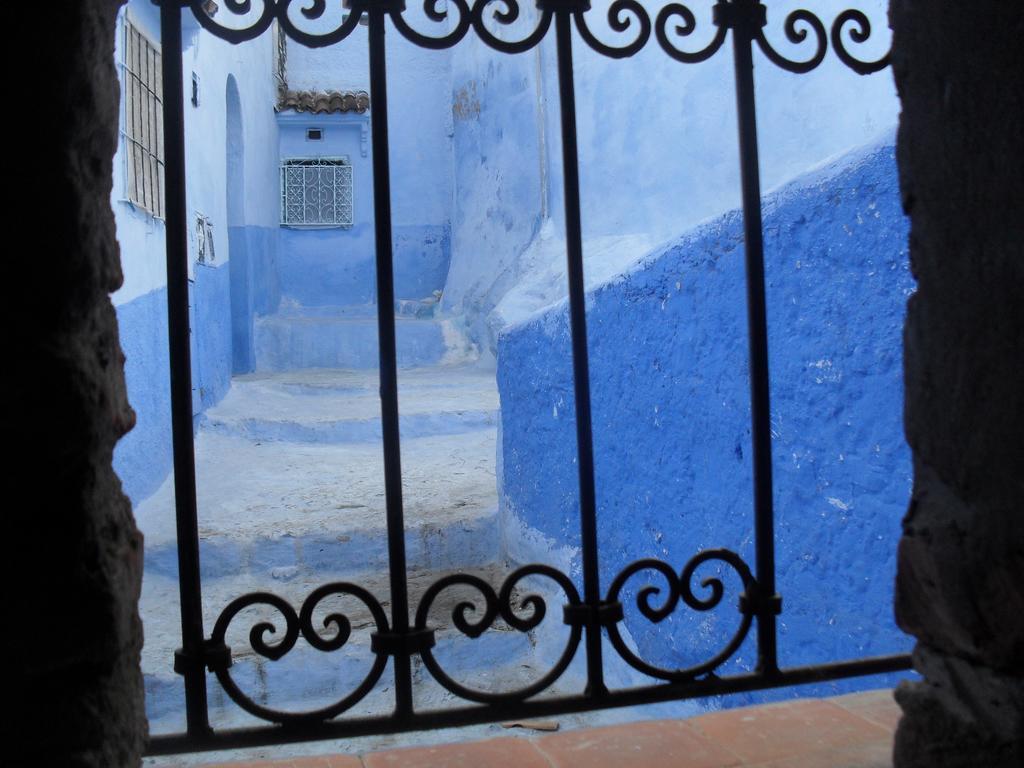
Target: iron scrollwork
(295, 624)
(796, 27)
(508, 16)
(432, 11)
(270, 11)
(495, 605)
(685, 25)
(673, 22)
(859, 33)
(680, 588)
(472, 618)
(304, 21)
(621, 15)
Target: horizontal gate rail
(595, 614)
(367, 726)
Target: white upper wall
(141, 236)
(658, 138)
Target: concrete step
(284, 505)
(335, 406)
(290, 491)
(313, 338)
(290, 475)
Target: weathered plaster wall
(960, 585)
(75, 687)
(240, 284)
(657, 143)
(671, 417)
(500, 173)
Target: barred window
(142, 70)
(316, 192)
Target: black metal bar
(190, 660)
(388, 362)
(580, 358)
(709, 686)
(747, 16)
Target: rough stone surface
(960, 589)
(75, 651)
(961, 714)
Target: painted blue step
(343, 406)
(308, 339)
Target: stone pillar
(959, 68)
(72, 621)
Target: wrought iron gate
(398, 638)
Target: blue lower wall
(337, 267)
(422, 255)
(210, 297)
(669, 378)
(143, 457)
(255, 288)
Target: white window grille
(316, 192)
(142, 70)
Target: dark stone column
(959, 68)
(73, 632)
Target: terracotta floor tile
(877, 754)
(877, 706)
(658, 744)
(326, 761)
(762, 734)
(494, 753)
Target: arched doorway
(238, 263)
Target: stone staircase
(291, 496)
(299, 337)
(290, 491)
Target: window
(143, 121)
(316, 192)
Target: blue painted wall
(500, 190)
(232, 180)
(143, 457)
(335, 266)
(210, 298)
(656, 141)
(669, 377)
(255, 288)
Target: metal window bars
(316, 192)
(399, 637)
(143, 121)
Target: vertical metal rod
(388, 364)
(760, 407)
(192, 634)
(580, 360)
